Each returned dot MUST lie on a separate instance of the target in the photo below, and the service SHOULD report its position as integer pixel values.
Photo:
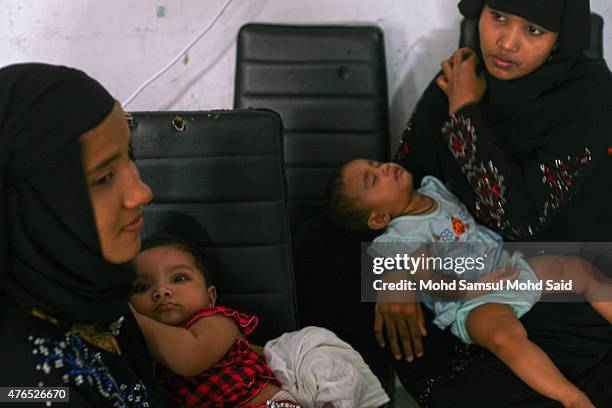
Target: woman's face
(512, 47)
(116, 191)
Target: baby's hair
(184, 245)
(345, 211)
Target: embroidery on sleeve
(489, 184)
(404, 146)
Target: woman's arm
(517, 196)
(188, 352)
(418, 148)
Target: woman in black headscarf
(70, 216)
(519, 129)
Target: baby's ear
(377, 220)
(212, 294)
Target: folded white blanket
(318, 368)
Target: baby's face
(169, 287)
(384, 187)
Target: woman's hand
(459, 81)
(401, 316)
(405, 324)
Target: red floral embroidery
(489, 183)
(560, 178)
(461, 138)
(404, 148)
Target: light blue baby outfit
(452, 223)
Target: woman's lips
(503, 63)
(136, 225)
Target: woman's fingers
(405, 337)
(464, 55)
(442, 83)
(473, 58)
(465, 52)
(417, 344)
(392, 337)
(447, 68)
(421, 320)
(458, 57)
(443, 80)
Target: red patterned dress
(239, 376)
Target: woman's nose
(137, 193)
(161, 292)
(508, 40)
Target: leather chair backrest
(329, 85)
(224, 170)
(469, 26)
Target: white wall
(124, 42)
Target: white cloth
(318, 368)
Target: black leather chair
(469, 26)
(223, 170)
(329, 85)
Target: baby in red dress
(203, 358)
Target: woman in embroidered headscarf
(518, 127)
(70, 216)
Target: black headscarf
(50, 255)
(570, 18)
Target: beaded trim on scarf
(489, 183)
(91, 333)
(82, 366)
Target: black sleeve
(519, 196)
(417, 150)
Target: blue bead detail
(84, 366)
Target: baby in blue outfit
(366, 194)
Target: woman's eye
(104, 179)
(140, 287)
(179, 278)
(534, 30)
(497, 16)
(374, 180)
